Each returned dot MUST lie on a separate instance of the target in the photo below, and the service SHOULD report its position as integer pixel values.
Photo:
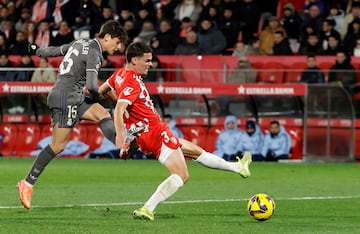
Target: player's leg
(175, 163)
(211, 160)
(97, 113)
(60, 138)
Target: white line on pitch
(181, 202)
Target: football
(261, 207)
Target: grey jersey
(80, 56)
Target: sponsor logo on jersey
(127, 91)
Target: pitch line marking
(181, 202)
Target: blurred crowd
(239, 27)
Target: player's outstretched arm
(51, 51)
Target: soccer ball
(261, 207)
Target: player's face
(112, 44)
(144, 63)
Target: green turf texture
(98, 196)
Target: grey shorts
(66, 107)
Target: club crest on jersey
(127, 91)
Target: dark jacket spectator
(211, 40)
(312, 74)
(281, 44)
(164, 41)
(353, 33)
(230, 27)
(343, 72)
(64, 36)
(312, 47)
(291, 21)
(190, 46)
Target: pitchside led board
(320, 118)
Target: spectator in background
(211, 40)
(131, 30)
(39, 11)
(312, 74)
(277, 143)
(291, 22)
(355, 13)
(343, 72)
(228, 139)
(141, 16)
(356, 50)
(281, 45)
(44, 36)
(9, 31)
(253, 48)
(45, 72)
(4, 46)
(170, 121)
(243, 72)
(21, 22)
(338, 15)
(188, 8)
(229, 26)
(30, 31)
(240, 49)
(327, 31)
(87, 12)
(249, 13)
(125, 14)
(147, 32)
(20, 46)
(313, 18)
(28, 64)
(64, 10)
(353, 33)
(190, 46)
(156, 73)
(5, 73)
(106, 14)
(164, 41)
(333, 45)
(267, 37)
(186, 26)
(312, 47)
(306, 8)
(251, 140)
(64, 36)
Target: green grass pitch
(98, 196)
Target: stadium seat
(117, 61)
(293, 73)
(296, 134)
(9, 134)
(212, 136)
(212, 67)
(29, 135)
(271, 72)
(325, 67)
(191, 72)
(195, 134)
(171, 63)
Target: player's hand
(32, 48)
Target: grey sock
(45, 156)
(108, 128)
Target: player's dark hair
(136, 49)
(113, 28)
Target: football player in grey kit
(66, 100)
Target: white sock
(165, 190)
(211, 160)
